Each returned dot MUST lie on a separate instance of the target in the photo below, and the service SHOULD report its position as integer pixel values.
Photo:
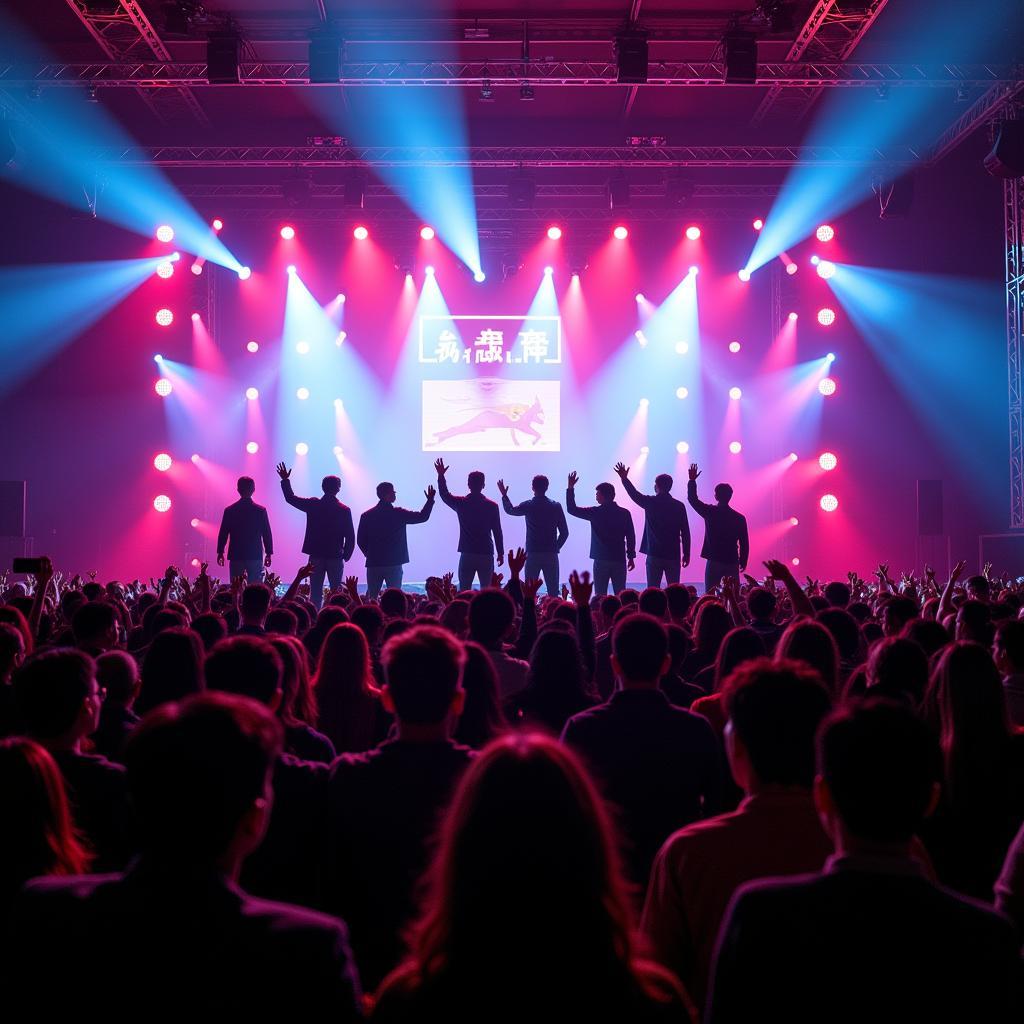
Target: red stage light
(252, 346)
(218, 224)
(621, 232)
(827, 461)
(164, 317)
(360, 232)
(791, 269)
(554, 232)
(287, 232)
(165, 233)
(165, 269)
(426, 233)
(829, 503)
(825, 233)
(793, 521)
(758, 224)
(693, 232)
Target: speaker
(324, 59)
(929, 508)
(1007, 157)
(740, 57)
(222, 52)
(631, 58)
(12, 508)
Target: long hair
(172, 668)
(14, 617)
(343, 684)
(556, 685)
(710, 627)
(298, 701)
(810, 642)
(39, 834)
(482, 718)
(740, 644)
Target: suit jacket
(611, 528)
(666, 527)
(546, 529)
(174, 942)
(382, 538)
(478, 520)
(248, 526)
(725, 530)
(329, 529)
(863, 941)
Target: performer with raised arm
(546, 531)
(330, 537)
(479, 521)
(382, 537)
(245, 531)
(612, 537)
(666, 528)
(726, 544)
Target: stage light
(429, 271)
(575, 275)
(302, 448)
(794, 317)
(164, 317)
(644, 402)
(693, 232)
(360, 233)
(162, 462)
(554, 232)
(339, 404)
(426, 233)
(831, 357)
(252, 346)
(479, 277)
(791, 269)
(197, 265)
(735, 394)
(162, 503)
(827, 461)
(302, 394)
(827, 386)
(640, 297)
(826, 269)
(252, 394)
(621, 232)
(287, 232)
(163, 387)
(196, 317)
(218, 224)
(252, 447)
(158, 358)
(758, 224)
(338, 450)
(548, 271)
(340, 298)
(793, 521)
(195, 458)
(825, 233)
(340, 339)
(694, 271)
(244, 274)
(829, 503)
(793, 456)
(165, 233)
(302, 347)
(193, 523)
(645, 449)
(815, 260)
(744, 275)
(641, 337)
(734, 347)
(735, 447)
(290, 269)
(682, 447)
(165, 269)
(681, 392)
(195, 563)
(826, 317)
(796, 561)
(682, 348)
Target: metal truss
(663, 157)
(995, 100)
(1013, 211)
(815, 75)
(831, 33)
(127, 34)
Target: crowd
(796, 800)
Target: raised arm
(570, 500)
(582, 590)
(946, 606)
(442, 484)
(643, 500)
(506, 502)
(286, 488)
(424, 513)
(800, 601)
(700, 507)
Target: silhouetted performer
(330, 537)
(246, 527)
(479, 519)
(726, 544)
(381, 537)
(546, 531)
(666, 528)
(612, 537)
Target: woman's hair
(710, 627)
(810, 642)
(39, 835)
(455, 617)
(556, 672)
(298, 701)
(740, 644)
(482, 718)
(344, 688)
(898, 669)
(13, 616)
(172, 668)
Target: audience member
(172, 669)
(298, 705)
(740, 645)
(810, 642)
(350, 712)
(482, 718)
(492, 616)
(761, 604)
(1008, 651)
(95, 628)
(709, 629)
(117, 674)
(897, 669)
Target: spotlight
(796, 561)
(639, 296)
(302, 394)
(163, 387)
(162, 503)
(826, 269)
(218, 224)
(164, 317)
(831, 357)
(621, 232)
(735, 394)
(793, 317)
(196, 317)
(827, 386)
(644, 402)
(302, 347)
(694, 271)
(302, 448)
(290, 269)
(827, 461)
(426, 233)
(829, 503)
(194, 523)
(252, 346)
(825, 233)
(693, 232)
(744, 275)
(429, 271)
(162, 462)
(682, 447)
(338, 450)
(826, 317)
(758, 224)
(287, 232)
(195, 563)
(554, 232)
(340, 339)
(791, 269)
(681, 392)
(195, 458)
(252, 447)
(479, 277)
(165, 233)
(339, 404)
(197, 266)
(644, 449)
(815, 260)
(682, 348)
(793, 521)
(793, 456)
(734, 347)
(158, 358)
(252, 394)
(360, 233)
(244, 273)
(735, 447)
(641, 337)
(340, 298)
(165, 269)
(548, 271)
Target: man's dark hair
(610, 604)
(654, 602)
(246, 665)
(860, 610)
(422, 667)
(1010, 637)
(370, 619)
(475, 481)
(383, 488)
(663, 481)
(837, 594)
(93, 591)
(394, 603)
(606, 490)
(978, 585)
(540, 484)
(12, 644)
(901, 610)
(49, 689)
(246, 486)
(93, 621)
(775, 708)
(761, 603)
(640, 644)
(629, 596)
(330, 484)
(118, 674)
(164, 618)
(491, 612)
(974, 618)
(880, 762)
(194, 769)
(283, 621)
(898, 669)
(723, 493)
(844, 629)
(678, 599)
(255, 601)
(211, 627)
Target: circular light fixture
(165, 270)
(252, 346)
(621, 232)
(165, 233)
(426, 233)
(827, 386)
(825, 233)
(681, 392)
(829, 503)
(682, 447)
(826, 316)
(302, 394)
(827, 461)
(252, 394)
(735, 394)
(735, 447)
(693, 232)
(164, 317)
(360, 233)
(302, 448)
(287, 232)
(162, 503)
(244, 273)
(162, 462)
(252, 447)
(554, 232)
(163, 387)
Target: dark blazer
(666, 527)
(611, 528)
(174, 943)
(725, 530)
(546, 529)
(382, 536)
(329, 529)
(863, 941)
(478, 520)
(248, 526)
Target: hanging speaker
(1007, 157)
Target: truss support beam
(995, 101)
(1013, 211)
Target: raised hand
(92, 573)
(440, 467)
(622, 470)
(573, 479)
(496, 578)
(352, 586)
(630, 564)
(430, 493)
(581, 588)
(516, 561)
(172, 573)
(530, 589)
(751, 582)
(305, 571)
(778, 570)
(502, 488)
(987, 571)
(449, 586)
(957, 570)
(694, 471)
(220, 559)
(565, 592)
(283, 471)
